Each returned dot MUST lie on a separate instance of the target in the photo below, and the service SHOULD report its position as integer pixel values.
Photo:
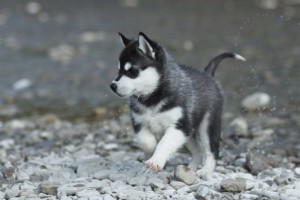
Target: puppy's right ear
(124, 39)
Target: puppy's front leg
(169, 144)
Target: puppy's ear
(124, 39)
(146, 45)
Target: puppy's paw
(204, 172)
(153, 165)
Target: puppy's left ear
(146, 45)
(124, 39)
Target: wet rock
(236, 185)
(239, 127)
(205, 192)
(256, 102)
(185, 174)
(256, 163)
(49, 187)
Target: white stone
(297, 170)
(22, 84)
(177, 184)
(256, 101)
(65, 198)
(87, 193)
(33, 7)
(239, 126)
(108, 197)
(241, 175)
(103, 174)
(111, 146)
(7, 143)
(207, 193)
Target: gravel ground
(44, 157)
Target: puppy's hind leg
(209, 142)
(193, 147)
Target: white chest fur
(156, 121)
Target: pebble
(49, 188)
(256, 163)
(177, 184)
(239, 127)
(81, 170)
(22, 84)
(185, 174)
(8, 110)
(256, 102)
(87, 193)
(33, 7)
(108, 197)
(7, 143)
(205, 192)
(297, 170)
(236, 185)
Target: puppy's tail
(213, 64)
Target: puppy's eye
(133, 72)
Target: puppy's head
(139, 67)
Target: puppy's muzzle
(113, 87)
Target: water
(75, 81)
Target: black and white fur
(171, 105)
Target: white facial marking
(144, 84)
(209, 162)
(127, 66)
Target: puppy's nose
(113, 86)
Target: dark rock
(256, 163)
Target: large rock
(185, 174)
(49, 188)
(256, 102)
(256, 163)
(236, 185)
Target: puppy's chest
(155, 120)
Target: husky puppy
(171, 105)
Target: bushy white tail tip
(239, 57)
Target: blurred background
(60, 57)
